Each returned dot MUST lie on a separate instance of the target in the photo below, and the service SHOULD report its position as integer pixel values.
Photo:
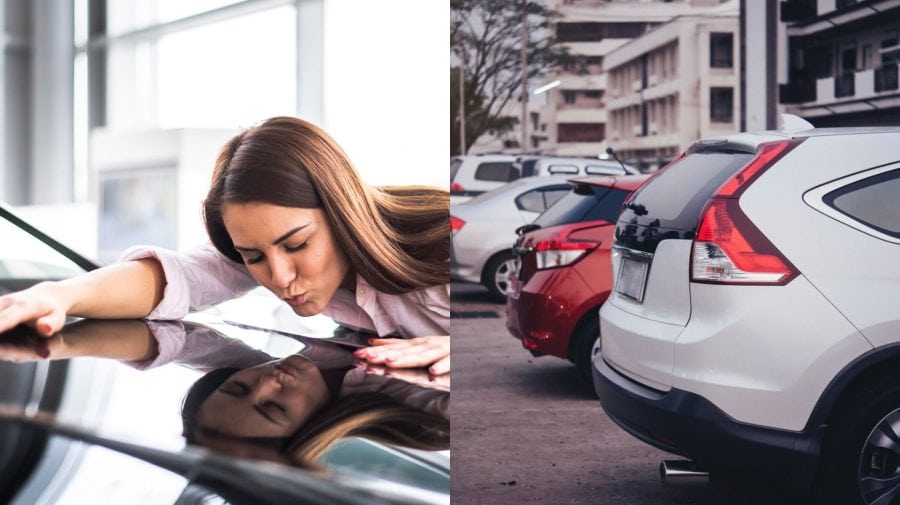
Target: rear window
(604, 170)
(584, 203)
(675, 198)
(498, 171)
(454, 167)
(871, 201)
(562, 169)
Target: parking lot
(525, 430)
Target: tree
(485, 38)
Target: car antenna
(609, 151)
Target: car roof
(626, 182)
(756, 138)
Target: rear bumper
(687, 424)
(545, 312)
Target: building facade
(677, 83)
(842, 61)
(571, 118)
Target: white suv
(755, 317)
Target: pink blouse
(203, 277)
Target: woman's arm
(123, 290)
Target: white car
(483, 229)
(475, 174)
(755, 317)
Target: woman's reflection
(290, 409)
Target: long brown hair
(396, 238)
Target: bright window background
(228, 74)
(386, 88)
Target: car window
(528, 167)
(552, 196)
(455, 163)
(23, 257)
(584, 203)
(603, 170)
(538, 200)
(872, 201)
(532, 201)
(563, 169)
(499, 171)
(675, 197)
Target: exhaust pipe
(682, 472)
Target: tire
(583, 350)
(496, 274)
(859, 448)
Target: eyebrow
(278, 240)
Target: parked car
(475, 174)
(563, 274)
(91, 430)
(483, 229)
(549, 165)
(754, 321)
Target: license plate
(632, 278)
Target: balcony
(797, 91)
(886, 78)
(845, 85)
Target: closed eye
(251, 261)
(296, 247)
(234, 388)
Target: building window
(569, 97)
(593, 94)
(721, 105)
(580, 132)
(721, 50)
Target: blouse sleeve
(195, 280)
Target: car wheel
(496, 275)
(862, 458)
(583, 352)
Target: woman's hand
(37, 307)
(433, 352)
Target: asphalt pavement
(526, 430)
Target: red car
(565, 273)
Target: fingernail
(44, 353)
(372, 355)
(371, 341)
(46, 328)
(391, 359)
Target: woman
(286, 210)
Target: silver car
(484, 229)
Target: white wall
(386, 87)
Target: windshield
(25, 260)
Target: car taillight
(456, 224)
(455, 186)
(729, 248)
(556, 252)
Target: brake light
(560, 252)
(456, 224)
(729, 248)
(455, 186)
